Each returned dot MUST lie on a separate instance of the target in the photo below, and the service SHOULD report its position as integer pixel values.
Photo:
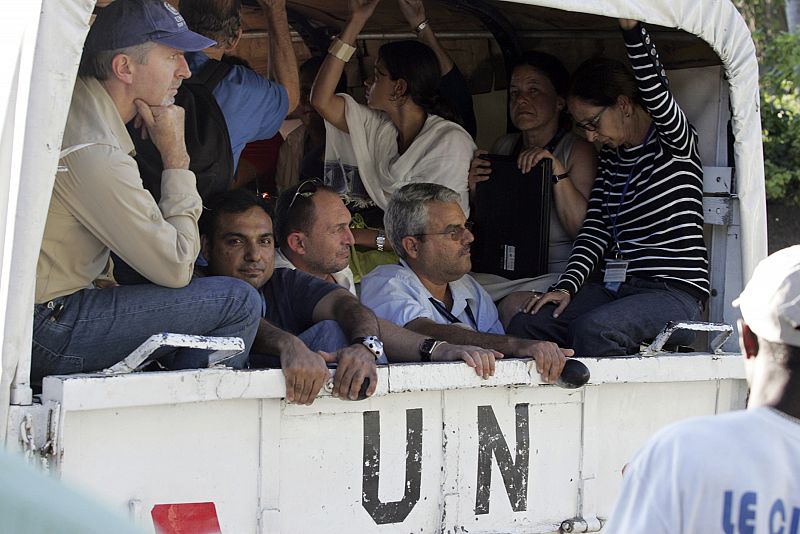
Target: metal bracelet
(421, 26)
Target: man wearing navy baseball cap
(156, 22)
(131, 68)
(736, 472)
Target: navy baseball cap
(126, 23)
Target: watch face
(374, 345)
(427, 346)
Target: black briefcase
(511, 214)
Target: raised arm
(453, 85)
(323, 92)
(671, 123)
(281, 52)
(414, 12)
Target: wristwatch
(373, 344)
(428, 346)
(380, 240)
(558, 177)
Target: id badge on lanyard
(616, 271)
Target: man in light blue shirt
(430, 292)
(254, 107)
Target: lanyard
(613, 218)
(449, 315)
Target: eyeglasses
(456, 234)
(591, 124)
(310, 187)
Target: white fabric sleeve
(448, 165)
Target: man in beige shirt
(131, 68)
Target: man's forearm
(400, 343)
(272, 340)
(355, 319)
(281, 52)
(463, 336)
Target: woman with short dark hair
(644, 222)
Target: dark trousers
(599, 322)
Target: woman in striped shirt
(644, 221)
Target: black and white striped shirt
(659, 219)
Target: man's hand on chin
(355, 363)
(305, 372)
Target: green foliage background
(780, 117)
(779, 60)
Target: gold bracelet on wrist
(341, 50)
(436, 345)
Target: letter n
(397, 511)
(515, 472)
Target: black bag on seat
(512, 220)
(207, 142)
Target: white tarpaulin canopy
(42, 44)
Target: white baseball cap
(770, 303)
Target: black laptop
(511, 214)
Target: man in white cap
(737, 472)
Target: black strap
(211, 74)
(550, 146)
(449, 315)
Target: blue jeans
(324, 336)
(598, 322)
(92, 329)
(328, 336)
